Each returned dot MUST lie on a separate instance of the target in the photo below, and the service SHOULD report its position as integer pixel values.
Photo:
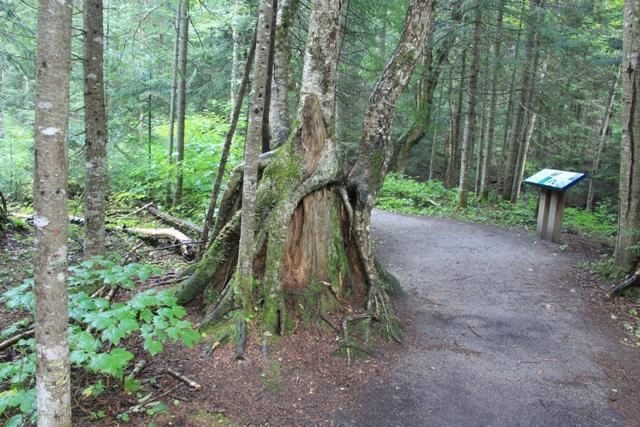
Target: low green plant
(99, 331)
(405, 195)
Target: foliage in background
(405, 195)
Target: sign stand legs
(550, 215)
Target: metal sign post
(553, 185)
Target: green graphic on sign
(552, 179)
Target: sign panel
(552, 179)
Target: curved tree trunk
(602, 139)
(312, 234)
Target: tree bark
(456, 124)
(235, 50)
(279, 116)
(2, 103)
(629, 216)
(519, 128)
(469, 129)
(532, 118)
(53, 66)
(307, 226)
(95, 122)
(433, 64)
(493, 106)
(172, 106)
(244, 273)
(181, 100)
(602, 139)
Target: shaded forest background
(578, 44)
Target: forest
(252, 212)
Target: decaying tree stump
(312, 241)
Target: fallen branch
(77, 220)
(185, 243)
(191, 383)
(627, 282)
(14, 339)
(172, 220)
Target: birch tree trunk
(181, 103)
(53, 66)
(246, 248)
(493, 106)
(629, 216)
(469, 129)
(172, 105)
(602, 139)
(279, 116)
(95, 122)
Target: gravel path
(500, 332)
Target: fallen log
(627, 282)
(180, 223)
(187, 246)
(14, 339)
(77, 220)
(188, 381)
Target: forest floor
(506, 330)
(502, 330)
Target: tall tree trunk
(246, 248)
(456, 124)
(266, 112)
(532, 117)
(279, 116)
(602, 139)
(53, 66)
(2, 101)
(95, 122)
(235, 50)
(433, 63)
(629, 217)
(172, 106)
(493, 106)
(469, 129)
(481, 142)
(181, 100)
(519, 128)
(436, 126)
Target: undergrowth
(405, 195)
(101, 334)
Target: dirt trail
(502, 333)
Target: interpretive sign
(555, 179)
(553, 185)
